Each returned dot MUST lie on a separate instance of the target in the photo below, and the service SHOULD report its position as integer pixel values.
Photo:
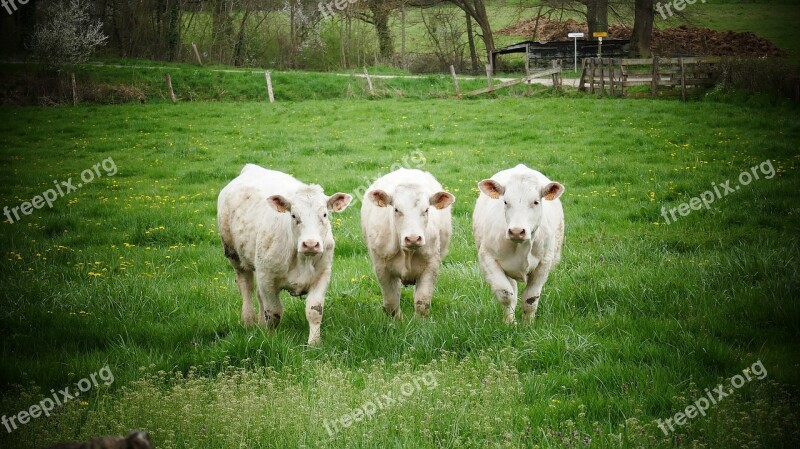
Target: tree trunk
(642, 29)
(486, 28)
(222, 30)
(477, 10)
(380, 17)
(403, 42)
(602, 15)
(473, 54)
(292, 31)
(591, 18)
(174, 30)
(596, 15)
(237, 52)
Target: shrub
(772, 76)
(67, 35)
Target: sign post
(575, 37)
(600, 35)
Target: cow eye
(325, 215)
(505, 202)
(536, 203)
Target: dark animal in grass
(134, 440)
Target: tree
(380, 18)
(476, 9)
(67, 35)
(642, 28)
(596, 15)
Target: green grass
(192, 83)
(635, 322)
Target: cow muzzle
(518, 235)
(413, 241)
(310, 247)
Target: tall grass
(638, 318)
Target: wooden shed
(540, 54)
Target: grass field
(636, 322)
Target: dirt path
(546, 81)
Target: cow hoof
(508, 316)
(397, 314)
(248, 320)
(272, 320)
(315, 342)
(422, 309)
(528, 319)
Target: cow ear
(552, 191)
(339, 202)
(380, 198)
(279, 203)
(441, 200)
(491, 188)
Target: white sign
(575, 35)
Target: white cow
(277, 228)
(518, 226)
(406, 220)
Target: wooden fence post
(611, 73)
(489, 76)
(270, 92)
(74, 90)
(556, 64)
(591, 75)
(683, 80)
(369, 81)
(455, 81)
(171, 92)
(582, 82)
(197, 54)
(654, 81)
(602, 78)
(527, 60)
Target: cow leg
(244, 279)
(423, 291)
(315, 303)
(504, 288)
(271, 307)
(532, 292)
(390, 288)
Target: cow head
(309, 209)
(410, 210)
(522, 199)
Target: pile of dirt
(544, 29)
(678, 41)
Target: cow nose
(311, 246)
(413, 240)
(516, 234)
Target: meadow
(636, 322)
